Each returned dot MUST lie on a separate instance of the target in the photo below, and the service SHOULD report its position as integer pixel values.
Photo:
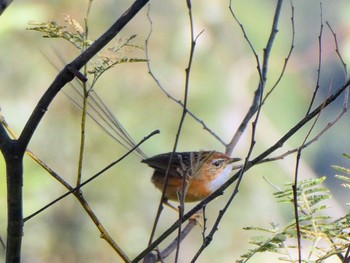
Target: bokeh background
(222, 83)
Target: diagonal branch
(78, 194)
(250, 164)
(67, 74)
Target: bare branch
(262, 73)
(319, 60)
(245, 35)
(311, 141)
(163, 89)
(94, 176)
(298, 156)
(286, 60)
(337, 49)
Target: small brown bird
(205, 172)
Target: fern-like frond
(316, 227)
(72, 31)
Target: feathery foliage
(321, 235)
(75, 34)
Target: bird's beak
(232, 160)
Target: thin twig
(245, 35)
(239, 132)
(319, 61)
(298, 156)
(163, 89)
(184, 112)
(262, 74)
(160, 206)
(337, 49)
(330, 124)
(93, 177)
(346, 99)
(286, 60)
(82, 133)
(187, 85)
(85, 99)
(311, 141)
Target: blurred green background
(222, 83)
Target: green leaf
(341, 169)
(346, 155)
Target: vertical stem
(82, 136)
(85, 98)
(14, 174)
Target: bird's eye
(217, 163)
